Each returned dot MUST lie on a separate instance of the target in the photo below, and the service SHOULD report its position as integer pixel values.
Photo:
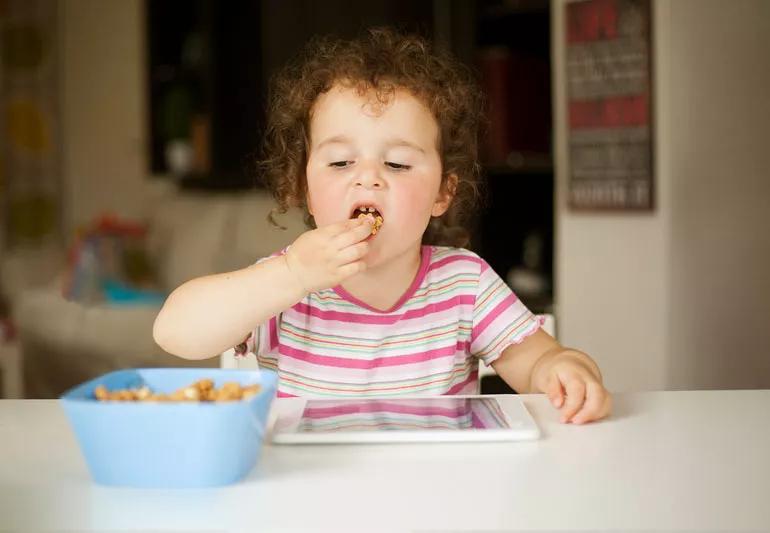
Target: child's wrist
(539, 376)
(297, 285)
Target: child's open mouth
(369, 211)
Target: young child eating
(376, 140)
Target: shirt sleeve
(500, 319)
(261, 339)
(264, 336)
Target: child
(376, 139)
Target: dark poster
(609, 101)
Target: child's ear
(445, 195)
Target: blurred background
(129, 129)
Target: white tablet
(417, 419)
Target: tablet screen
(321, 416)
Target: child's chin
(375, 257)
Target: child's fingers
(351, 269)
(576, 393)
(555, 393)
(353, 253)
(590, 406)
(593, 408)
(357, 232)
(339, 228)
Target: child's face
(364, 153)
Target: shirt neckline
(425, 255)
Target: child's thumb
(555, 392)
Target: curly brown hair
(382, 60)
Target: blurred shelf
(514, 7)
(522, 163)
(220, 182)
(539, 304)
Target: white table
(666, 460)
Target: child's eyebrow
(342, 139)
(404, 142)
(337, 139)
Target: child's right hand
(324, 257)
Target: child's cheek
(327, 212)
(413, 212)
(324, 201)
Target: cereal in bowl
(200, 391)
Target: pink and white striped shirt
(456, 311)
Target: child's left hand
(574, 388)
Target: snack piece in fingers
(377, 221)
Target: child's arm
(208, 315)
(540, 364)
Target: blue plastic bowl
(174, 444)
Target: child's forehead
(350, 106)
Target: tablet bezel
(289, 413)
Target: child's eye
(397, 166)
(340, 164)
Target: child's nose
(369, 177)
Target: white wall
(652, 296)
(103, 108)
(720, 224)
